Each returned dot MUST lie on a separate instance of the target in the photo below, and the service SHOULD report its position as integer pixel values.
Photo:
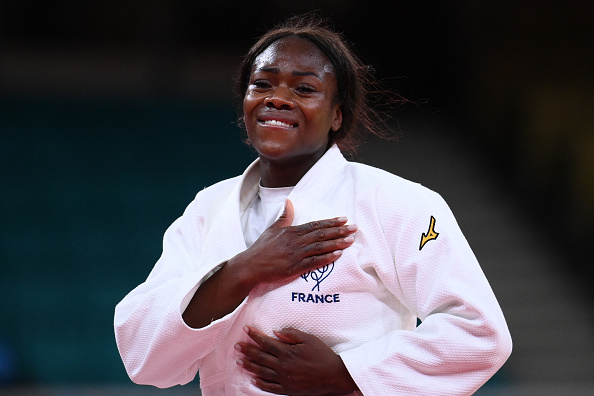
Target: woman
(323, 299)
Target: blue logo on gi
(318, 275)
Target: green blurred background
(88, 189)
(113, 114)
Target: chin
(274, 153)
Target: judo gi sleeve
(463, 338)
(155, 344)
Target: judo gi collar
(312, 184)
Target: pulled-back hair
(357, 87)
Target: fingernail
(239, 362)
(349, 239)
(342, 218)
(237, 347)
(352, 227)
(337, 253)
(246, 329)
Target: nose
(280, 99)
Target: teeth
(277, 123)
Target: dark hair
(358, 91)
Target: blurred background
(113, 114)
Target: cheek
(249, 102)
(323, 115)
(249, 121)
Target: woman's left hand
(295, 364)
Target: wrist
(343, 382)
(240, 272)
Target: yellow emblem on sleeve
(431, 234)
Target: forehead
(294, 54)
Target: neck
(287, 174)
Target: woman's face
(289, 107)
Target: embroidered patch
(430, 235)
(318, 275)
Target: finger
(257, 355)
(318, 261)
(285, 219)
(263, 372)
(306, 228)
(321, 247)
(290, 335)
(330, 233)
(326, 240)
(268, 344)
(271, 387)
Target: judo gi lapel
(225, 238)
(314, 185)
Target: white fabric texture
(364, 306)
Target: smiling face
(289, 106)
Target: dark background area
(113, 114)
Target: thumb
(286, 219)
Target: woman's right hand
(284, 252)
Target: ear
(337, 121)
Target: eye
(305, 88)
(260, 84)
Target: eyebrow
(297, 73)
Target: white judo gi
(409, 260)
